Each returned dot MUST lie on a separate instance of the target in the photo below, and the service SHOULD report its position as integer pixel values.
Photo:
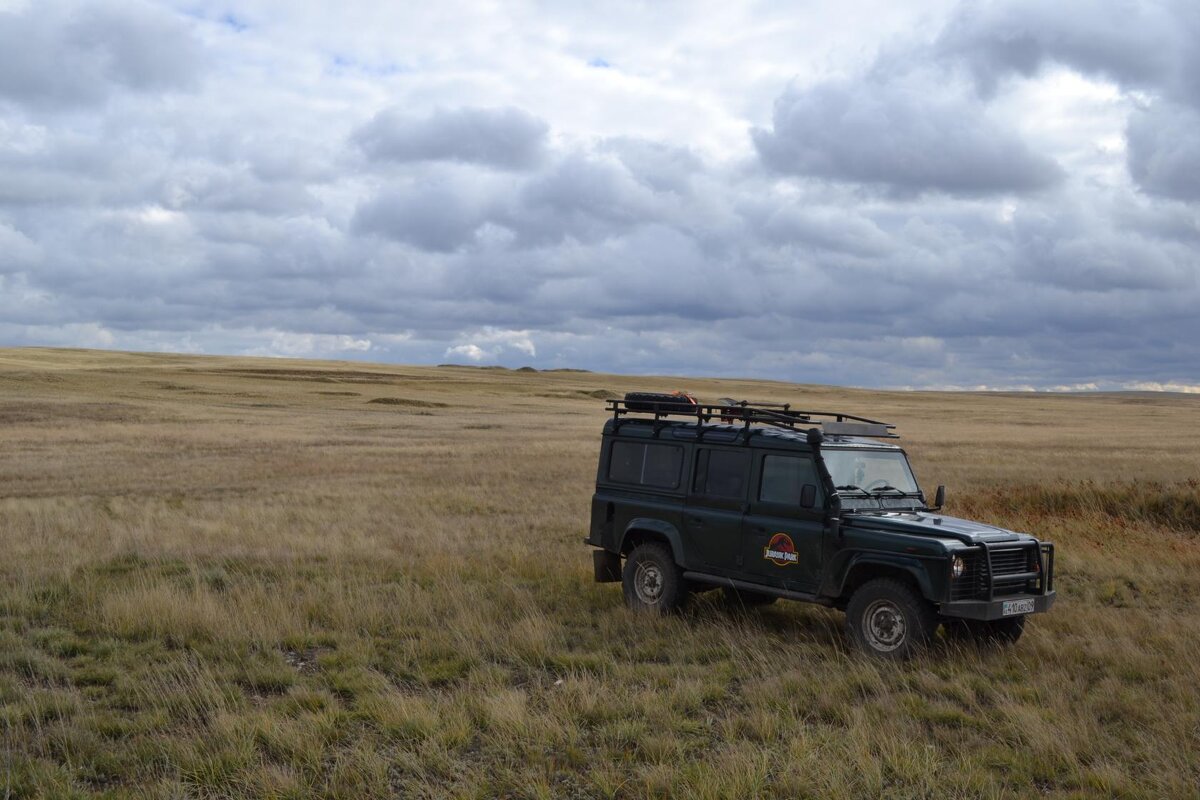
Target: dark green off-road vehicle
(768, 502)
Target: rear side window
(722, 473)
(783, 477)
(646, 464)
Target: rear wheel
(997, 631)
(888, 619)
(652, 581)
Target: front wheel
(887, 619)
(652, 581)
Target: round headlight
(958, 566)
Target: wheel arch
(644, 529)
(866, 568)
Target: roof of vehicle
(720, 433)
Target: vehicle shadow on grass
(824, 628)
(793, 622)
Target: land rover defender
(767, 502)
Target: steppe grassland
(241, 577)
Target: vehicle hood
(924, 523)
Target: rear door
(781, 539)
(642, 478)
(715, 506)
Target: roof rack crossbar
(774, 414)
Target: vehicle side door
(782, 536)
(715, 505)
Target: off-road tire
(739, 598)
(999, 632)
(888, 619)
(652, 581)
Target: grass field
(228, 577)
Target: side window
(783, 477)
(646, 464)
(722, 473)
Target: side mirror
(939, 498)
(808, 495)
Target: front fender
(886, 562)
(655, 526)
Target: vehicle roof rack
(779, 415)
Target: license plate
(1017, 607)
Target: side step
(745, 586)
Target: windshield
(870, 472)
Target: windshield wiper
(854, 488)
(887, 488)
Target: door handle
(695, 520)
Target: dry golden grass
(228, 577)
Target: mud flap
(607, 566)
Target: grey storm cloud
(20, 252)
(506, 138)
(908, 223)
(233, 190)
(60, 55)
(435, 214)
(827, 228)
(910, 135)
(1164, 150)
(1148, 47)
(660, 166)
(1131, 43)
(583, 197)
(1066, 250)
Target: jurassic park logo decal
(780, 551)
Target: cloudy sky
(927, 193)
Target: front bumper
(994, 609)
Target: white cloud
(1158, 386)
(491, 344)
(284, 343)
(469, 351)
